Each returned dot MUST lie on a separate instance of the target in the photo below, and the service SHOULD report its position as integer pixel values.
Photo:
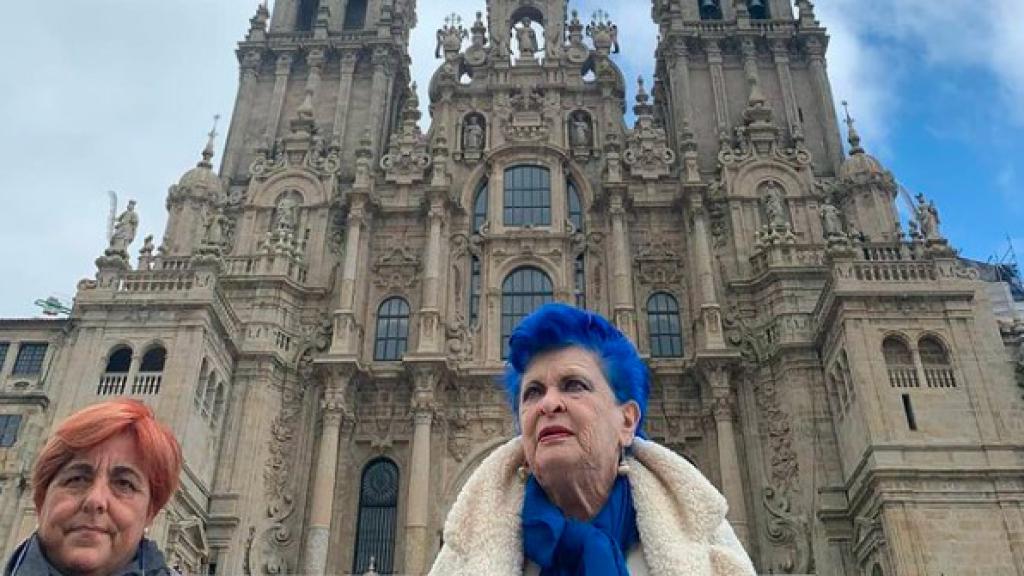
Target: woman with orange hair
(98, 483)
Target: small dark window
(580, 277)
(4, 347)
(480, 208)
(392, 330)
(908, 409)
(575, 207)
(527, 196)
(307, 15)
(710, 10)
(30, 359)
(663, 326)
(899, 362)
(377, 523)
(154, 360)
(475, 285)
(523, 291)
(120, 361)
(355, 15)
(759, 9)
(9, 426)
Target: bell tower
(551, 15)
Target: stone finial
(258, 23)
(854, 136)
(450, 37)
(208, 152)
(643, 106)
(604, 33)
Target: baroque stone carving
(658, 265)
(397, 269)
(407, 158)
(647, 154)
(527, 121)
(789, 531)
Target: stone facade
(322, 322)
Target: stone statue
(527, 38)
(124, 230)
(773, 207)
(473, 135)
(580, 136)
(215, 231)
(286, 217)
(928, 218)
(147, 246)
(831, 222)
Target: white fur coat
(680, 515)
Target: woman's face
(96, 509)
(571, 421)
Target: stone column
(332, 408)
(344, 328)
(724, 411)
(780, 53)
(379, 98)
(235, 146)
(711, 311)
(819, 76)
(417, 538)
(714, 50)
(622, 269)
(282, 72)
(430, 311)
(348, 68)
(681, 93)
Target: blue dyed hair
(558, 326)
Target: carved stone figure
(773, 207)
(527, 38)
(473, 135)
(580, 135)
(928, 218)
(124, 230)
(215, 231)
(832, 222)
(286, 215)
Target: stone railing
(904, 377)
(112, 384)
(147, 383)
(786, 256)
(267, 265)
(940, 377)
(902, 272)
(157, 281)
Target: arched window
(900, 363)
(475, 286)
(663, 326)
(523, 291)
(580, 281)
(574, 206)
(759, 9)
(392, 330)
(120, 361)
(210, 393)
(480, 207)
(710, 10)
(153, 361)
(218, 404)
(378, 511)
(938, 370)
(527, 196)
(355, 15)
(307, 15)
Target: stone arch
(115, 361)
(553, 269)
(748, 180)
(307, 185)
(154, 359)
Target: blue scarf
(566, 547)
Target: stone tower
(324, 321)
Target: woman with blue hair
(580, 492)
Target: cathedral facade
(324, 321)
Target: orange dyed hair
(94, 425)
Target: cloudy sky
(119, 94)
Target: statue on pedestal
(831, 222)
(774, 210)
(124, 230)
(527, 38)
(928, 218)
(473, 135)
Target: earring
(524, 473)
(623, 465)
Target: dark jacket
(28, 560)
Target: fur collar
(681, 518)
